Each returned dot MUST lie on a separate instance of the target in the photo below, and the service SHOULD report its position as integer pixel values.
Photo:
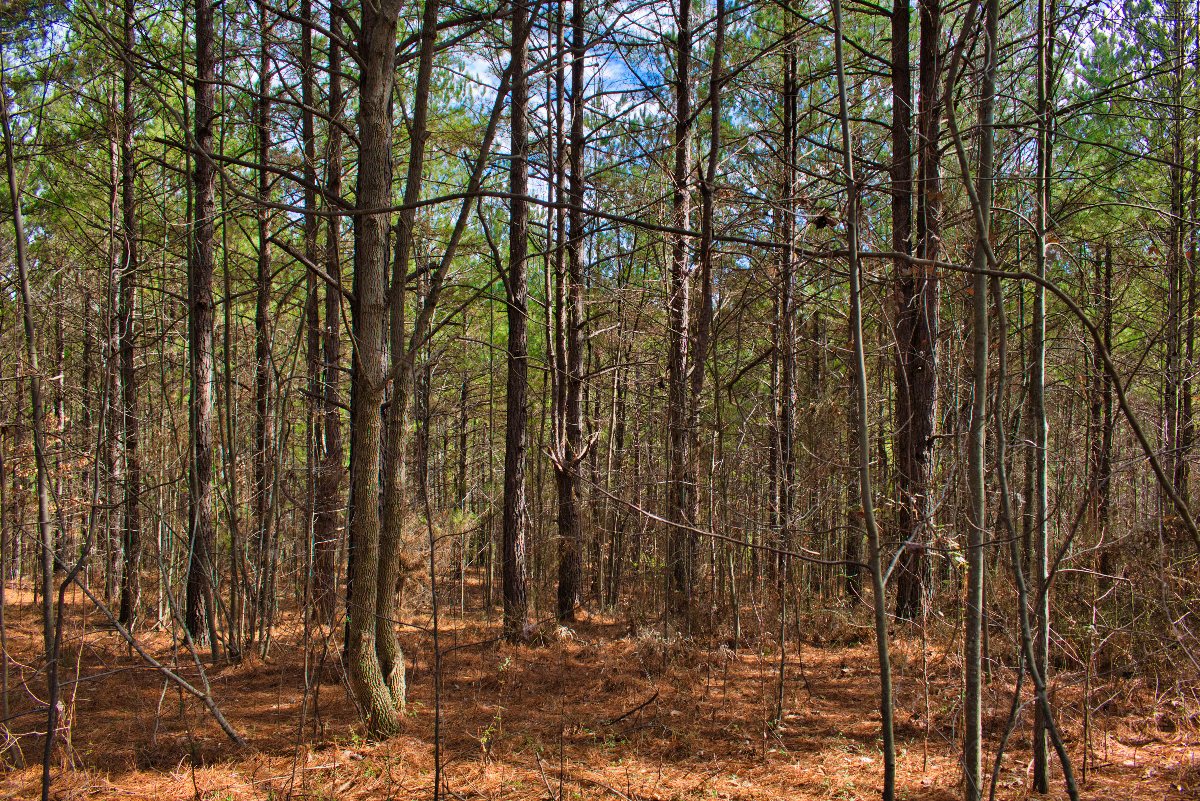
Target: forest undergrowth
(610, 708)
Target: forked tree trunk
(376, 56)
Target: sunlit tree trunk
(376, 57)
(515, 515)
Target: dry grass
(593, 713)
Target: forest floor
(601, 712)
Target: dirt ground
(603, 711)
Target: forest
(566, 399)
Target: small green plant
(488, 737)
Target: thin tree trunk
(976, 454)
(113, 469)
(313, 591)
(326, 530)
(785, 340)
(680, 542)
(200, 617)
(1037, 380)
(571, 455)
(859, 401)
(45, 531)
(264, 458)
(132, 526)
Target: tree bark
(571, 454)
(863, 438)
(680, 542)
(1037, 379)
(515, 515)
(376, 56)
(131, 525)
(917, 326)
(45, 530)
(976, 445)
(326, 529)
(200, 616)
(264, 457)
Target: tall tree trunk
(1037, 378)
(863, 438)
(113, 468)
(264, 458)
(515, 516)
(391, 658)
(785, 321)
(976, 444)
(570, 456)
(329, 475)
(918, 301)
(680, 543)
(131, 524)
(376, 56)
(45, 530)
(200, 616)
(1173, 368)
(314, 594)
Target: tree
(918, 300)
(131, 524)
(201, 611)
(379, 693)
(515, 514)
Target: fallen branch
(633, 711)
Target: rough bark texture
(680, 543)
(917, 329)
(131, 528)
(312, 301)
(200, 612)
(567, 471)
(515, 517)
(264, 457)
(376, 51)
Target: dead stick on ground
(170, 675)
(635, 710)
